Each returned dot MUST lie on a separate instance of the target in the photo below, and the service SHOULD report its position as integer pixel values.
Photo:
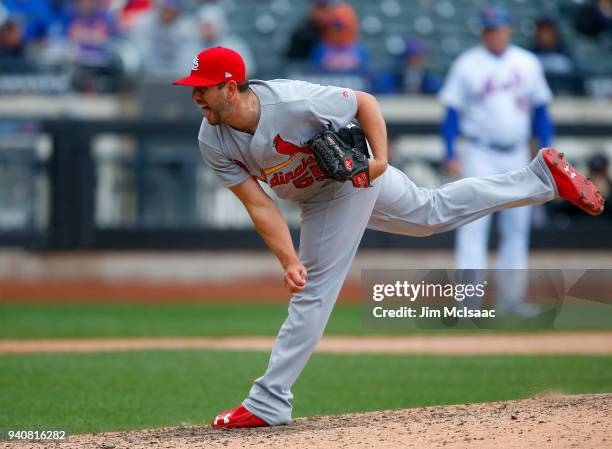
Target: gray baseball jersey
(335, 215)
(292, 112)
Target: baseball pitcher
(291, 135)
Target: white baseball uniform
(335, 215)
(495, 96)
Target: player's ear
(231, 89)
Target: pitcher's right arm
(272, 227)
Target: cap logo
(195, 64)
(228, 75)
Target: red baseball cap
(213, 66)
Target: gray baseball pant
(331, 230)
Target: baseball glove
(343, 155)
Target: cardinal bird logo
(289, 149)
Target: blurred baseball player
(495, 94)
(258, 131)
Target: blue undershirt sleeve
(450, 131)
(542, 126)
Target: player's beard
(215, 116)
(212, 116)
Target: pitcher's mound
(554, 421)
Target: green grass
(76, 320)
(123, 390)
(67, 320)
(37, 321)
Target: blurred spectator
(37, 15)
(556, 61)
(308, 34)
(410, 74)
(214, 32)
(132, 10)
(91, 31)
(594, 18)
(226, 5)
(340, 51)
(165, 39)
(13, 47)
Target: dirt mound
(553, 421)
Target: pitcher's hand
(295, 277)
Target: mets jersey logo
(492, 86)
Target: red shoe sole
(572, 185)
